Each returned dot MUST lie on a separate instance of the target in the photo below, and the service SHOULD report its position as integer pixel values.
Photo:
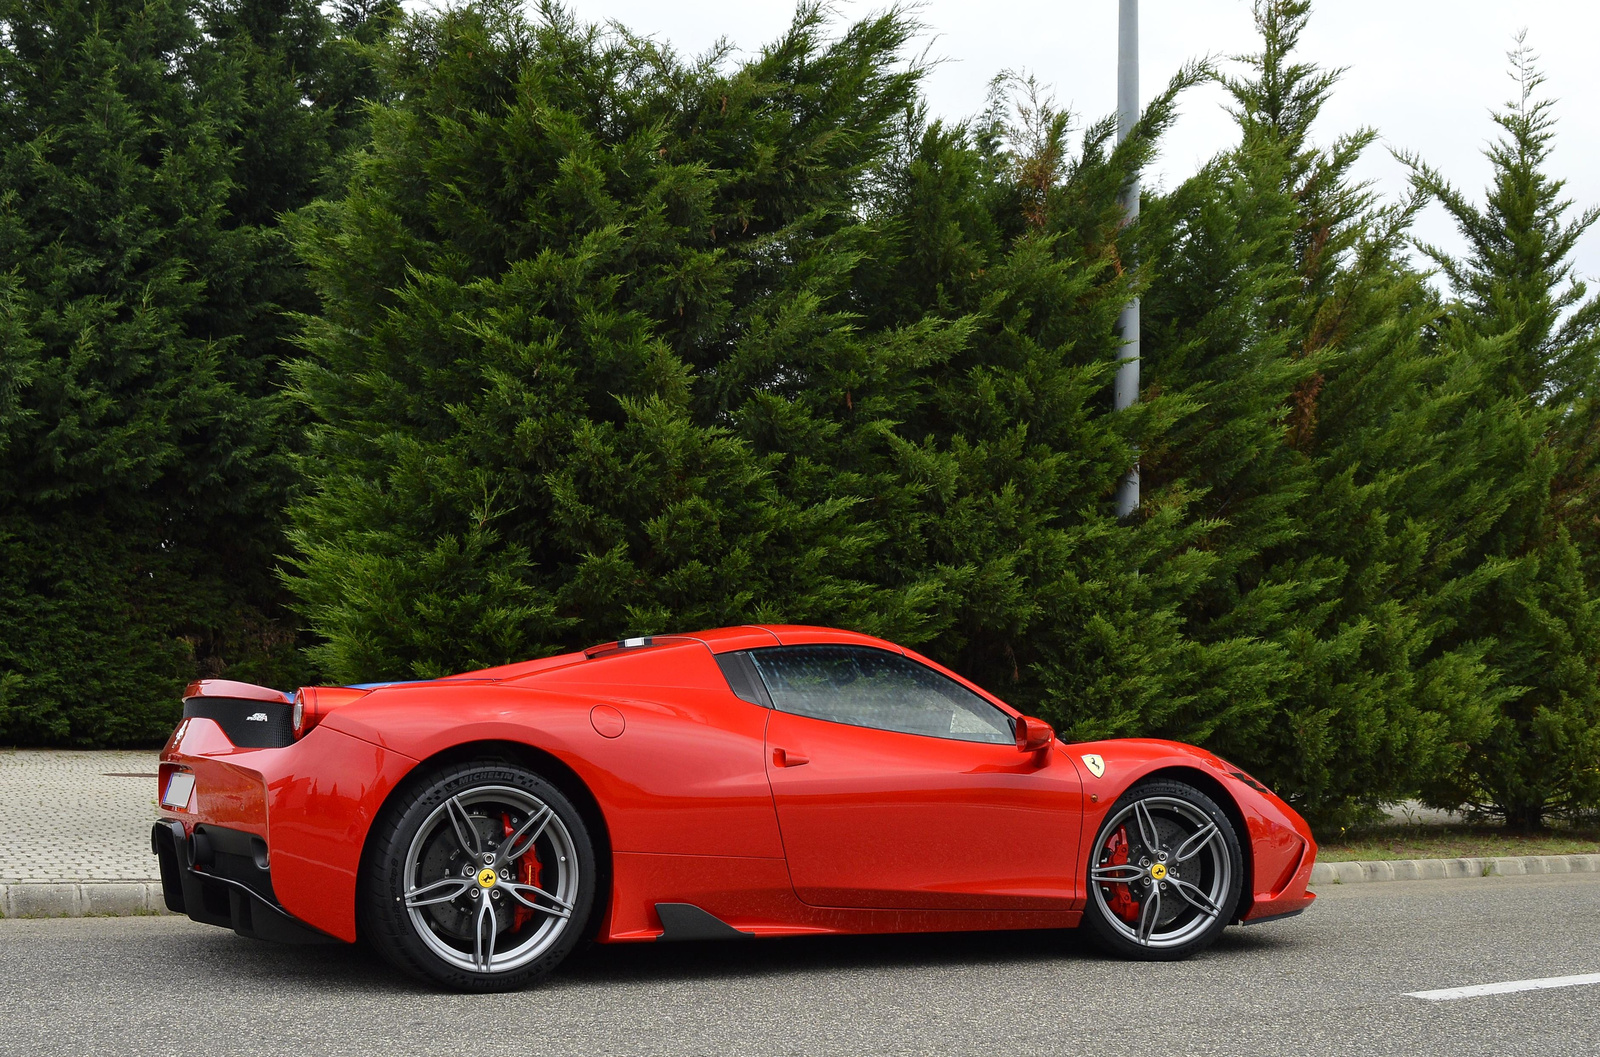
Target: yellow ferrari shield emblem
(1159, 871)
(1096, 765)
(486, 878)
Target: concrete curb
(1442, 869)
(77, 899)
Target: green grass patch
(1454, 842)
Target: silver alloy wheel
(1178, 870)
(462, 879)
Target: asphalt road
(1332, 981)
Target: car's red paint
(776, 823)
(315, 702)
(230, 688)
(877, 818)
(1275, 837)
(1033, 734)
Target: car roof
(752, 636)
(717, 640)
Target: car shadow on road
(661, 962)
(360, 968)
(699, 960)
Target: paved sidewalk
(76, 816)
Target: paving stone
(1413, 813)
(72, 815)
(1443, 869)
(1431, 869)
(79, 822)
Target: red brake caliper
(1119, 897)
(528, 874)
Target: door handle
(783, 758)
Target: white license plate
(179, 788)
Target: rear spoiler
(259, 717)
(236, 691)
(251, 716)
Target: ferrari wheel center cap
(1159, 871)
(486, 878)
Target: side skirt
(685, 921)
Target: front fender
(1280, 848)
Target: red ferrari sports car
(744, 782)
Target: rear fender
(551, 767)
(682, 772)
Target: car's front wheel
(480, 877)
(1165, 872)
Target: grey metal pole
(1126, 389)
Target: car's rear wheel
(480, 877)
(1165, 872)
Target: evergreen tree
(537, 291)
(144, 440)
(588, 366)
(996, 472)
(114, 173)
(1283, 307)
(1533, 337)
(616, 344)
(304, 79)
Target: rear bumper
(221, 876)
(320, 794)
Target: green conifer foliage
(1283, 308)
(585, 339)
(587, 368)
(617, 344)
(1530, 334)
(141, 423)
(997, 470)
(540, 293)
(1005, 450)
(114, 174)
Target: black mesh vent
(248, 724)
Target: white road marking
(1510, 987)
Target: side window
(875, 688)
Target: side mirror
(1033, 734)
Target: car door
(898, 787)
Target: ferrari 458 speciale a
(731, 784)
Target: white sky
(1424, 73)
